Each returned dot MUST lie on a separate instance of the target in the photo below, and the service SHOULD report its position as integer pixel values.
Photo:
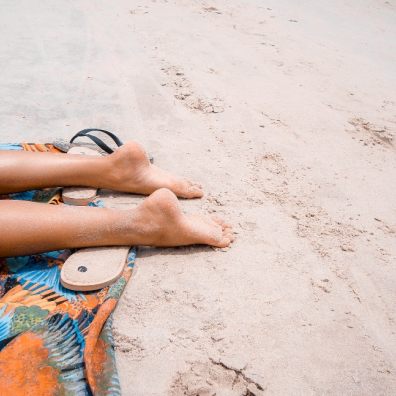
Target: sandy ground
(286, 111)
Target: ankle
(108, 173)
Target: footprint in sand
(371, 135)
(214, 378)
(184, 92)
(211, 9)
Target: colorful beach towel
(54, 341)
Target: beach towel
(54, 341)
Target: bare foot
(162, 223)
(132, 172)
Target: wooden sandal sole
(80, 196)
(94, 268)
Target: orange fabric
(54, 341)
(95, 353)
(37, 147)
(27, 351)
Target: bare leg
(158, 221)
(127, 169)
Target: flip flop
(93, 268)
(82, 196)
(100, 143)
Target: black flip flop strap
(96, 140)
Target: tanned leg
(29, 227)
(127, 169)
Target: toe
(230, 235)
(196, 192)
(217, 220)
(228, 229)
(195, 184)
(195, 189)
(222, 239)
(220, 221)
(225, 226)
(224, 242)
(187, 189)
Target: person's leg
(28, 227)
(127, 169)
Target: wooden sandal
(84, 195)
(93, 268)
(80, 196)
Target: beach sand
(286, 111)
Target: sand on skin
(286, 112)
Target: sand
(286, 111)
